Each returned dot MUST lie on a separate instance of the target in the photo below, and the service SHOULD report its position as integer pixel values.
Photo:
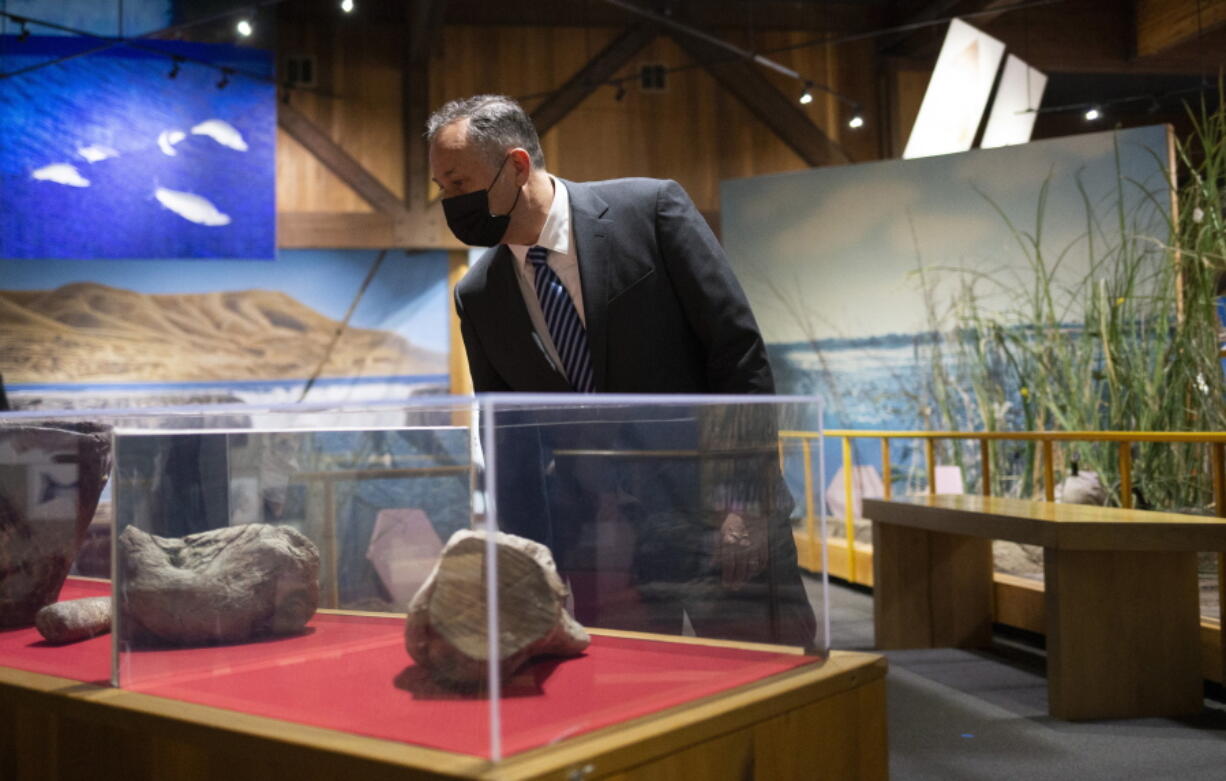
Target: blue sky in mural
(832, 252)
(103, 156)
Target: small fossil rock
(227, 585)
(447, 627)
(74, 619)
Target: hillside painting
(132, 333)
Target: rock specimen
(447, 628)
(74, 619)
(50, 481)
(227, 585)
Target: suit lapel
(591, 233)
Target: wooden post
(885, 468)
(849, 510)
(461, 380)
(985, 453)
(1218, 457)
(810, 516)
(930, 455)
(1126, 475)
(1049, 472)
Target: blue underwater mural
(148, 150)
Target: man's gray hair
(496, 125)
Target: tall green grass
(1130, 346)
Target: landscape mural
(137, 333)
(862, 275)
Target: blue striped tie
(569, 335)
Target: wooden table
(1121, 591)
(814, 721)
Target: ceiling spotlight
(621, 92)
(806, 96)
(347, 6)
(856, 122)
(225, 78)
(1093, 114)
(25, 29)
(174, 69)
(244, 28)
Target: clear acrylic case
(670, 520)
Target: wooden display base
(53, 728)
(1121, 603)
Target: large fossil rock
(228, 585)
(447, 627)
(50, 481)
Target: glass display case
(483, 576)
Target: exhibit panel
(330, 567)
(644, 545)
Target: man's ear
(522, 161)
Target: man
(611, 287)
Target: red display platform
(352, 673)
(88, 661)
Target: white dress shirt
(557, 237)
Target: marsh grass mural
(1044, 287)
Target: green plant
(1130, 346)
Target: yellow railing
(1216, 440)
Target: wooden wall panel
(357, 105)
(695, 132)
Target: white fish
(61, 173)
(95, 152)
(167, 140)
(191, 207)
(222, 132)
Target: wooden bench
(1121, 592)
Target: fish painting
(222, 132)
(191, 207)
(96, 152)
(167, 140)
(104, 157)
(61, 173)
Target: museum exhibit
(612, 389)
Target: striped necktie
(569, 335)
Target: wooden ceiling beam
(818, 16)
(1163, 24)
(425, 25)
(777, 111)
(338, 161)
(590, 77)
(908, 42)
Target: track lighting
(174, 69)
(225, 78)
(1093, 114)
(244, 28)
(25, 28)
(856, 122)
(806, 96)
(621, 92)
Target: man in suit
(612, 287)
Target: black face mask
(470, 219)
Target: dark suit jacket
(664, 312)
